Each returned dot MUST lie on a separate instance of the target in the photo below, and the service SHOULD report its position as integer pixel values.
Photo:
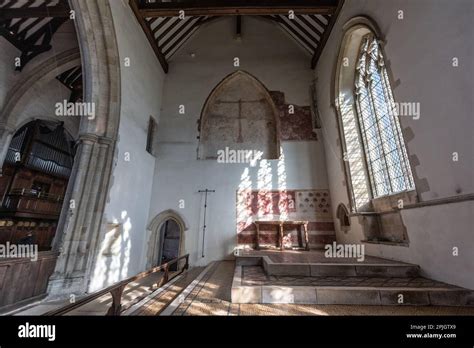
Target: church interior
(183, 157)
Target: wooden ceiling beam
(149, 35)
(179, 42)
(25, 30)
(320, 22)
(236, 7)
(10, 37)
(185, 23)
(303, 30)
(311, 25)
(183, 36)
(43, 34)
(234, 12)
(327, 33)
(168, 29)
(160, 25)
(60, 10)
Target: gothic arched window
(374, 153)
(387, 161)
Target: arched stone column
(80, 226)
(154, 234)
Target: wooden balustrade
(116, 290)
(26, 200)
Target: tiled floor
(211, 296)
(313, 256)
(255, 275)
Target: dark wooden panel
(236, 7)
(45, 270)
(21, 279)
(59, 10)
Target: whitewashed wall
(130, 193)
(280, 64)
(419, 50)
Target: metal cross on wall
(240, 117)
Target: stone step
(254, 286)
(340, 269)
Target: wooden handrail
(35, 194)
(116, 290)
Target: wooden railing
(117, 289)
(35, 194)
(32, 201)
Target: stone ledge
(329, 269)
(401, 244)
(283, 294)
(272, 294)
(348, 295)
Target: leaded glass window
(386, 157)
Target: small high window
(151, 135)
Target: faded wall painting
(239, 115)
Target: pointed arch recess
(252, 124)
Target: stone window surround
(382, 204)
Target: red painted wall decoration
(313, 206)
(296, 126)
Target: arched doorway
(166, 238)
(169, 241)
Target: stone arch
(154, 234)
(79, 228)
(239, 98)
(20, 93)
(36, 78)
